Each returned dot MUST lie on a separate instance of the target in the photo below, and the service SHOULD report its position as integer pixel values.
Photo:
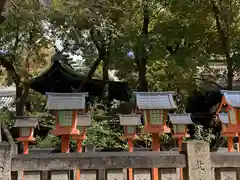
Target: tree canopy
(154, 45)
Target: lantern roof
(180, 118)
(232, 98)
(26, 121)
(130, 119)
(223, 118)
(84, 120)
(66, 101)
(155, 100)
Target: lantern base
(79, 137)
(231, 129)
(156, 129)
(65, 131)
(180, 135)
(26, 138)
(229, 134)
(132, 137)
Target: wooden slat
(141, 174)
(225, 174)
(168, 174)
(32, 175)
(115, 174)
(60, 175)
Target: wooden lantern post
(66, 107)
(130, 123)
(83, 122)
(26, 125)
(230, 104)
(228, 129)
(155, 106)
(179, 123)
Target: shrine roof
(223, 118)
(155, 100)
(66, 101)
(232, 98)
(62, 78)
(22, 121)
(180, 118)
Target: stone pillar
(5, 161)
(198, 161)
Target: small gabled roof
(232, 98)
(155, 100)
(180, 118)
(223, 118)
(84, 120)
(66, 101)
(26, 121)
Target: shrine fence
(196, 161)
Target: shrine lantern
(26, 125)
(83, 122)
(66, 107)
(180, 123)
(155, 106)
(130, 123)
(229, 108)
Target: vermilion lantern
(155, 106)
(83, 122)
(26, 125)
(179, 123)
(130, 123)
(230, 104)
(66, 107)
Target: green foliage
(50, 141)
(182, 37)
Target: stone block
(5, 161)
(142, 174)
(115, 174)
(225, 174)
(198, 160)
(168, 174)
(88, 175)
(32, 175)
(60, 175)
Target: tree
(22, 37)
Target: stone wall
(196, 161)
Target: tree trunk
(223, 30)
(90, 74)
(142, 60)
(105, 77)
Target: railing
(197, 161)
